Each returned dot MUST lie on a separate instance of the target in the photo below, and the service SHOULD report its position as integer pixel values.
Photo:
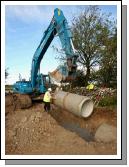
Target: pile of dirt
(16, 101)
(110, 135)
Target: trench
(83, 133)
(69, 123)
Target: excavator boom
(58, 26)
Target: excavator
(26, 91)
(38, 82)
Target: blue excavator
(39, 82)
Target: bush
(108, 101)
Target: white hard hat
(49, 89)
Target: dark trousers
(47, 106)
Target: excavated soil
(33, 131)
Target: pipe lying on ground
(79, 105)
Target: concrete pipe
(79, 105)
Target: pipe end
(87, 108)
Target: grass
(8, 87)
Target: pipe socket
(79, 105)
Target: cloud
(29, 13)
(33, 13)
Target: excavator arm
(58, 26)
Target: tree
(108, 64)
(6, 73)
(80, 79)
(91, 31)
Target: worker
(90, 86)
(47, 100)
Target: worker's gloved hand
(52, 98)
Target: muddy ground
(33, 131)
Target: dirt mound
(106, 133)
(25, 101)
(17, 101)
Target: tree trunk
(88, 69)
(87, 75)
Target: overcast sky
(24, 28)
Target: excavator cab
(43, 83)
(46, 81)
